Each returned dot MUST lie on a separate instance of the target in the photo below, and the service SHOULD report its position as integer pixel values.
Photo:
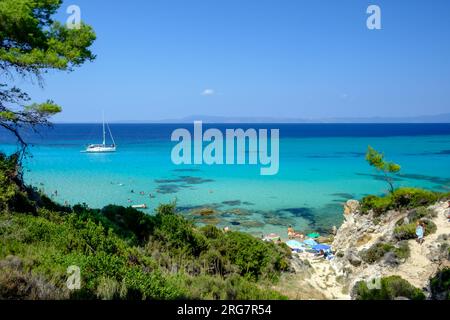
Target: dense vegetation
(403, 198)
(31, 44)
(406, 228)
(123, 253)
(440, 285)
(387, 288)
(393, 253)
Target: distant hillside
(440, 118)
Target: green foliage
(379, 205)
(12, 194)
(129, 222)
(253, 257)
(420, 213)
(8, 189)
(440, 285)
(211, 232)
(403, 198)
(406, 228)
(178, 233)
(123, 253)
(390, 288)
(412, 198)
(376, 160)
(31, 40)
(17, 284)
(31, 43)
(408, 231)
(377, 251)
(233, 288)
(44, 109)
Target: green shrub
(403, 198)
(405, 232)
(390, 288)
(377, 251)
(123, 253)
(231, 288)
(440, 285)
(129, 220)
(402, 250)
(109, 289)
(420, 213)
(8, 189)
(412, 198)
(379, 205)
(408, 231)
(178, 233)
(253, 256)
(18, 284)
(211, 232)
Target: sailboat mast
(104, 132)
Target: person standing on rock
(420, 232)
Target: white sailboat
(99, 148)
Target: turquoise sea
(321, 166)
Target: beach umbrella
(310, 242)
(294, 244)
(323, 247)
(313, 235)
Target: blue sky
(269, 58)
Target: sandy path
(418, 268)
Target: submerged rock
(252, 224)
(239, 212)
(206, 211)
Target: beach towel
(323, 247)
(294, 244)
(310, 242)
(313, 235)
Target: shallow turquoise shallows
(321, 166)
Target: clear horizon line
(294, 120)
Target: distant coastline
(426, 119)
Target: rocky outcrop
(367, 249)
(360, 232)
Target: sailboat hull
(100, 149)
(103, 147)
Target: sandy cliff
(319, 279)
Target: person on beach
(420, 232)
(292, 234)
